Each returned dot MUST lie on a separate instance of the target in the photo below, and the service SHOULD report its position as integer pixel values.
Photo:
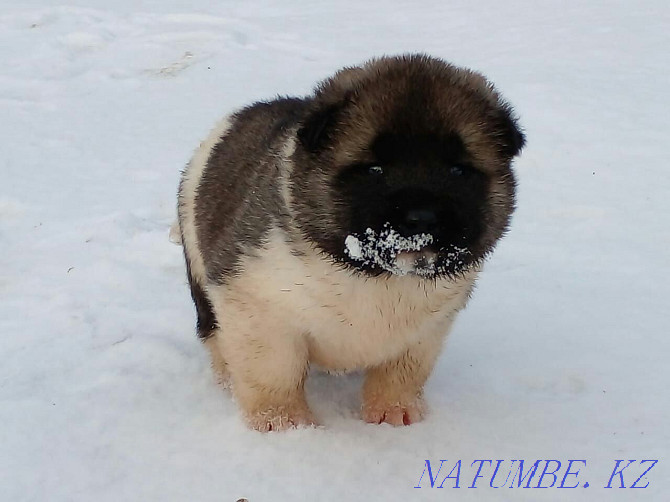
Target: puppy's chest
(351, 321)
(354, 322)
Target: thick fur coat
(346, 229)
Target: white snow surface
(107, 395)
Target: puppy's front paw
(398, 413)
(279, 418)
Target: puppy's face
(403, 166)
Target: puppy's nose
(419, 221)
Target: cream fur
(347, 321)
(286, 167)
(286, 311)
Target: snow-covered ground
(105, 392)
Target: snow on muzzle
(400, 255)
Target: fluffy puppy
(346, 229)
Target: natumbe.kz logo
(550, 473)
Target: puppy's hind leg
(219, 365)
(268, 365)
(207, 326)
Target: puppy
(346, 229)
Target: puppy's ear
(318, 126)
(512, 138)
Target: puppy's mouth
(392, 252)
(422, 262)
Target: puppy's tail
(175, 233)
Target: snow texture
(390, 251)
(105, 392)
(354, 247)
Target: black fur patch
(206, 323)
(513, 138)
(316, 129)
(425, 184)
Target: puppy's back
(230, 192)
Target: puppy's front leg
(267, 364)
(393, 391)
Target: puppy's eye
(375, 170)
(458, 170)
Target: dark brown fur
(239, 186)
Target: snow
(353, 247)
(390, 251)
(105, 392)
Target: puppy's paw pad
(394, 414)
(280, 419)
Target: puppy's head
(403, 166)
